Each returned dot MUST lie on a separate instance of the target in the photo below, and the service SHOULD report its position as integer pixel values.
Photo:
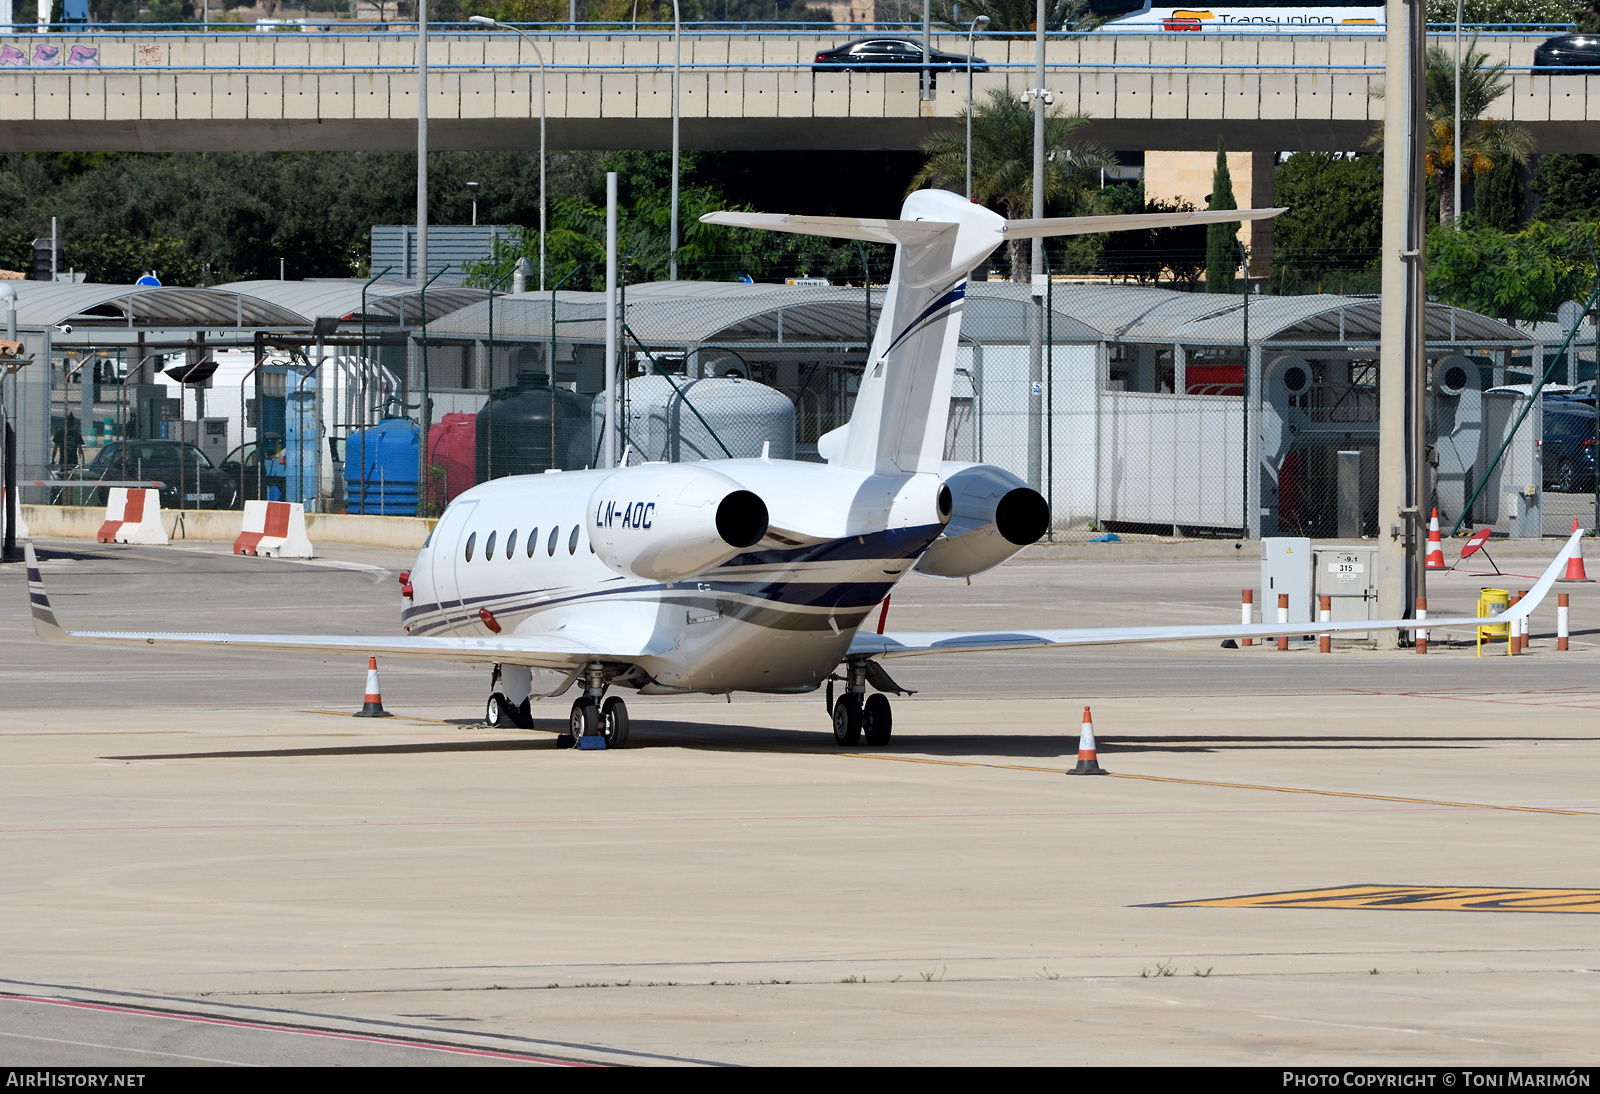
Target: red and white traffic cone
(373, 706)
(1575, 563)
(1087, 764)
(1435, 559)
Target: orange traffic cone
(1575, 563)
(373, 706)
(1435, 547)
(1087, 764)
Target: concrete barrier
(83, 521)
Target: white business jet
(750, 574)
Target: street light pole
(672, 243)
(485, 21)
(422, 140)
(1455, 138)
(980, 23)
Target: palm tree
(1484, 141)
(1002, 162)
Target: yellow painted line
(1416, 898)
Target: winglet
(45, 624)
(1546, 581)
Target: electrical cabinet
(1348, 576)
(1286, 568)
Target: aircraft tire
(614, 722)
(877, 720)
(500, 714)
(585, 718)
(847, 720)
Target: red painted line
(674, 820)
(232, 1023)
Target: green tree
(1334, 223)
(1520, 276)
(1523, 12)
(1498, 197)
(1568, 187)
(1002, 163)
(1484, 141)
(1222, 240)
(1013, 16)
(1144, 256)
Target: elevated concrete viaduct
(341, 91)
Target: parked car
(891, 55)
(1568, 51)
(204, 485)
(1569, 448)
(263, 467)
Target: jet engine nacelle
(994, 515)
(665, 522)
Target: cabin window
(511, 543)
(471, 540)
(488, 548)
(533, 541)
(572, 541)
(555, 534)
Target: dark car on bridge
(891, 55)
(1568, 51)
(203, 484)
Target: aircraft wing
(543, 651)
(915, 643)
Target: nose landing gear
(590, 717)
(855, 713)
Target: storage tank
(663, 423)
(380, 469)
(451, 444)
(520, 426)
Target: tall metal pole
(486, 21)
(609, 437)
(1036, 335)
(927, 48)
(1402, 364)
(1455, 137)
(978, 23)
(422, 140)
(672, 243)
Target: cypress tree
(1222, 245)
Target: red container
(453, 443)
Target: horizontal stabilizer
(1132, 222)
(866, 228)
(918, 231)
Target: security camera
(64, 328)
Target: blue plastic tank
(380, 469)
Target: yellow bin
(1492, 602)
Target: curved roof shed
(45, 304)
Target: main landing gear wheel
(877, 722)
(500, 714)
(847, 719)
(614, 722)
(585, 719)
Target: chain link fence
(1137, 408)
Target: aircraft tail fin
(903, 406)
